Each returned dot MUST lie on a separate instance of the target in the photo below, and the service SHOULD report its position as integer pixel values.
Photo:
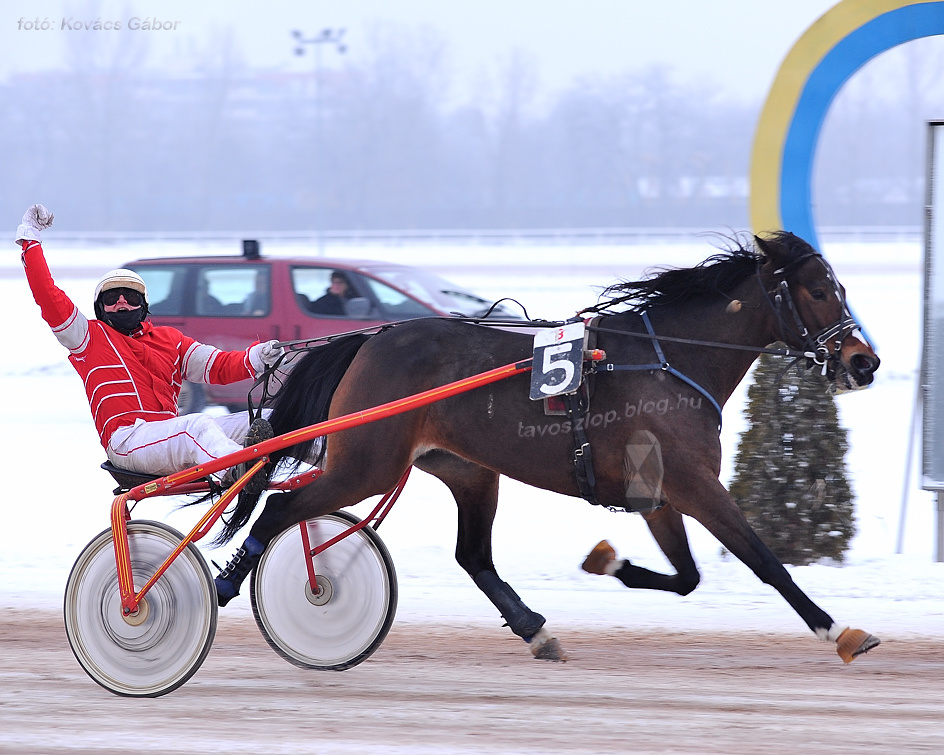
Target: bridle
(781, 302)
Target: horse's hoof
(853, 643)
(545, 647)
(599, 558)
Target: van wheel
(192, 399)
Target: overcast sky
(738, 44)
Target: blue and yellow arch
(829, 52)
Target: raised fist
(36, 219)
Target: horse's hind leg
(668, 530)
(335, 489)
(475, 490)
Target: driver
(333, 301)
(133, 370)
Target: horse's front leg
(718, 512)
(475, 490)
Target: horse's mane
(716, 275)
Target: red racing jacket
(127, 378)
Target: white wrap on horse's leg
(539, 639)
(831, 634)
(614, 566)
(546, 647)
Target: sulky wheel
(346, 619)
(163, 644)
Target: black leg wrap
(521, 620)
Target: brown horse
(684, 341)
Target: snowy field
(57, 498)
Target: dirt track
(435, 689)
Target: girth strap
(577, 405)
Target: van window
(165, 287)
(233, 291)
(323, 291)
(395, 304)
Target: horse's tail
(303, 400)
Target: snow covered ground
(56, 497)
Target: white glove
(36, 219)
(261, 355)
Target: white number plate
(558, 358)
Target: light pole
(325, 37)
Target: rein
(816, 346)
(695, 342)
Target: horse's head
(810, 306)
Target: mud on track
(436, 689)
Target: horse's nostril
(864, 363)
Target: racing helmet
(125, 322)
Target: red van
(230, 302)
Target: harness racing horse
(704, 326)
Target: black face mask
(125, 321)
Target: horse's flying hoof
(599, 558)
(545, 647)
(853, 643)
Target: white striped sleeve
(74, 332)
(197, 362)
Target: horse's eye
(818, 294)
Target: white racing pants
(172, 445)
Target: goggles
(111, 296)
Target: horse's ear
(772, 249)
(762, 245)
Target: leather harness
(577, 405)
